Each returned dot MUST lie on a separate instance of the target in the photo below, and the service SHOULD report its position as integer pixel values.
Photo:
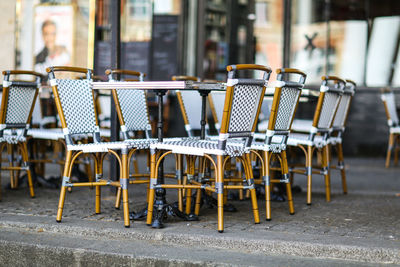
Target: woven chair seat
(334, 140)
(200, 147)
(296, 139)
(395, 130)
(100, 147)
(52, 134)
(262, 136)
(48, 134)
(303, 126)
(263, 126)
(12, 139)
(276, 145)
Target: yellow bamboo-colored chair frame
(14, 122)
(97, 150)
(218, 187)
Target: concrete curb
(269, 245)
(23, 254)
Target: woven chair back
(389, 102)
(243, 101)
(18, 99)
(344, 106)
(331, 90)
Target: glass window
(358, 40)
(308, 39)
(268, 32)
(136, 21)
(51, 33)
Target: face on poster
(53, 36)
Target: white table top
(178, 85)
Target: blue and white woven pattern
(286, 108)
(76, 98)
(134, 109)
(200, 147)
(342, 111)
(276, 146)
(296, 139)
(99, 147)
(12, 139)
(244, 107)
(192, 103)
(328, 110)
(20, 100)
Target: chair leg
(198, 202)
(63, 186)
(198, 191)
(0, 175)
(190, 173)
(98, 200)
(266, 157)
(179, 173)
(153, 182)
(124, 181)
(339, 149)
(285, 176)
(135, 164)
(240, 175)
(219, 187)
(309, 173)
(389, 150)
(253, 195)
(118, 198)
(24, 152)
(98, 166)
(88, 169)
(10, 153)
(325, 167)
(188, 200)
(396, 150)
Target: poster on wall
(53, 36)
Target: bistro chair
(314, 136)
(17, 103)
(240, 112)
(389, 103)
(284, 105)
(190, 103)
(75, 105)
(43, 134)
(133, 116)
(234, 170)
(338, 127)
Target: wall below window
(367, 132)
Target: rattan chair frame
(284, 104)
(317, 138)
(388, 99)
(97, 150)
(338, 127)
(230, 128)
(17, 103)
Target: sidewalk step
(32, 239)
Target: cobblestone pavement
(367, 217)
